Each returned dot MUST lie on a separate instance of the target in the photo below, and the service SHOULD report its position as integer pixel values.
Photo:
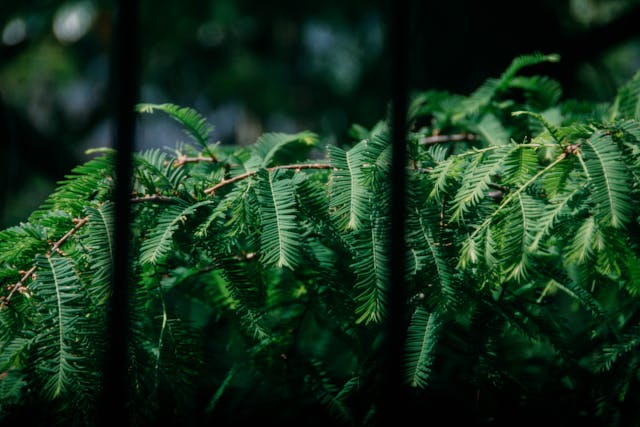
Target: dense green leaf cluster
(260, 274)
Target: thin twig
(438, 139)
(79, 223)
(212, 190)
(19, 285)
(153, 198)
(181, 160)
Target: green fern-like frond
(277, 148)
(626, 343)
(553, 212)
(100, 244)
(11, 387)
(562, 178)
(492, 130)
(14, 350)
(553, 130)
(371, 267)
(470, 252)
(329, 394)
(479, 99)
(59, 289)
(482, 97)
(194, 124)
(475, 183)
(312, 198)
(627, 102)
(589, 301)
(92, 180)
(443, 174)
(523, 61)
(581, 246)
(632, 265)
(20, 244)
(422, 338)
(237, 212)
(540, 92)
(178, 359)
(280, 239)
(428, 251)
(519, 166)
(519, 227)
(609, 180)
(160, 239)
(157, 172)
(349, 197)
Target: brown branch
(439, 139)
(55, 248)
(212, 190)
(181, 160)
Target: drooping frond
(626, 343)
(194, 124)
(523, 61)
(519, 226)
(157, 172)
(371, 267)
(213, 402)
(92, 180)
(551, 128)
(245, 284)
(429, 102)
(100, 244)
(59, 289)
(19, 244)
(237, 211)
(613, 249)
(492, 130)
(178, 359)
(609, 180)
(429, 256)
(279, 240)
(632, 265)
(627, 102)
(486, 93)
(312, 198)
(540, 92)
(446, 171)
(160, 239)
(11, 387)
(329, 394)
(562, 178)
(589, 301)
(469, 253)
(379, 152)
(550, 215)
(349, 198)
(519, 166)
(422, 338)
(278, 148)
(479, 99)
(12, 351)
(244, 280)
(475, 183)
(581, 245)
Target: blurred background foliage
(278, 65)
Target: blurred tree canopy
(270, 66)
